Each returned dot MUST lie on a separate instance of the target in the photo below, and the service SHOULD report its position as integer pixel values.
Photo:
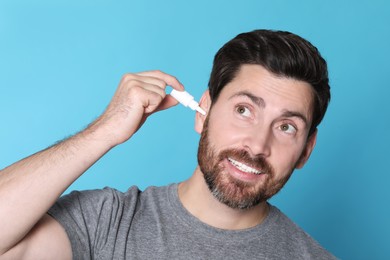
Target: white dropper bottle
(187, 100)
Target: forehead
(276, 91)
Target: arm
(30, 187)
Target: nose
(258, 141)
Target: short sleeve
(92, 217)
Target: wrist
(100, 133)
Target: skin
(28, 188)
(266, 116)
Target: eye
(243, 110)
(288, 128)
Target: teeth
(243, 167)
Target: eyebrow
(255, 99)
(288, 113)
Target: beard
(235, 193)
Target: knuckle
(174, 78)
(162, 93)
(128, 77)
(135, 89)
(161, 83)
(157, 71)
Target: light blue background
(60, 63)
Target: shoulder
(300, 243)
(98, 198)
(94, 202)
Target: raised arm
(30, 187)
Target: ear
(311, 142)
(204, 103)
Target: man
(267, 93)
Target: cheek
(285, 158)
(223, 133)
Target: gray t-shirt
(153, 224)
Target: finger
(152, 103)
(130, 77)
(168, 79)
(153, 88)
(166, 103)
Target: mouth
(243, 167)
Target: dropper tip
(200, 110)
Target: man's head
(282, 53)
(268, 91)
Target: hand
(138, 96)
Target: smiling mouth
(243, 167)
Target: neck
(199, 201)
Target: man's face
(255, 135)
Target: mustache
(257, 162)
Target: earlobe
(311, 142)
(204, 103)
